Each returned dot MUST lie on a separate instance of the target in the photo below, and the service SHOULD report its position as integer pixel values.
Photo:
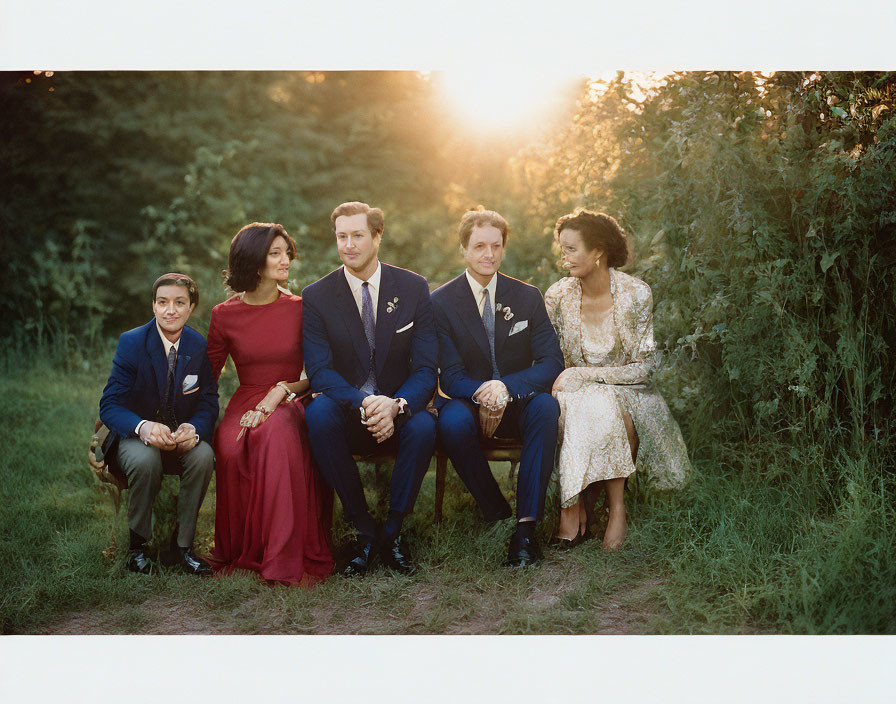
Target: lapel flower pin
(392, 305)
(508, 314)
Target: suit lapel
(345, 305)
(156, 352)
(385, 321)
(469, 313)
(502, 326)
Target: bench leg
(441, 471)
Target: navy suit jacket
(335, 346)
(139, 376)
(529, 360)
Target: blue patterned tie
(167, 411)
(488, 320)
(369, 386)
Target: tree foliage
(763, 214)
(761, 207)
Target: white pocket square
(406, 327)
(517, 326)
(190, 380)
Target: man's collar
(166, 343)
(354, 283)
(477, 287)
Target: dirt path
(627, 611)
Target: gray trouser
(142, 464)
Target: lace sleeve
(552, 304)
(641, 364)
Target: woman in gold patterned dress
(612, 418)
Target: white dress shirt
(168, 344)
(477, 289)
(354, 283)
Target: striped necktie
(488, 320)
(369, 386)
(167, 413)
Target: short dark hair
(173, 279)
(599, 231)
(480, 217)
(248, 252)
(376, 221)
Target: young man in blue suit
(160, 405)
(498, 357)
(371, 354)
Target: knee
(422, 424)
(141, 463)
(456, 424)
(201, 457)
(543, 407)
(323, 414)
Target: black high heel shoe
(564, 544)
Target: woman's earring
(597, 262)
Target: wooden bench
(113, 481)
(495, 450)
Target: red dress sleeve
(216, 344)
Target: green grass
(765, 539)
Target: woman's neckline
(281, 294)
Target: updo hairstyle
(599, 231)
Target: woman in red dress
(273, 511)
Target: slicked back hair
(376, 221)
(480, 217)
(173, 279)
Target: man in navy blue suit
(371, 354)
(160, 405)
(498, 357)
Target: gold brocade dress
(614, 360)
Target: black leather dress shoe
(363, 560)
(138, 561)
(191, 563)
(564, 544)
(396, 555)
(522, 552)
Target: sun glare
(495, 100)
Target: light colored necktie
(369, 386)
(488, 320)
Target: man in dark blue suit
(371, 354)
(160, 405)
(498, 357)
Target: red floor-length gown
(273, 510)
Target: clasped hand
(255, 417)
(379, 416)
(492, 398)
(159, 435)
